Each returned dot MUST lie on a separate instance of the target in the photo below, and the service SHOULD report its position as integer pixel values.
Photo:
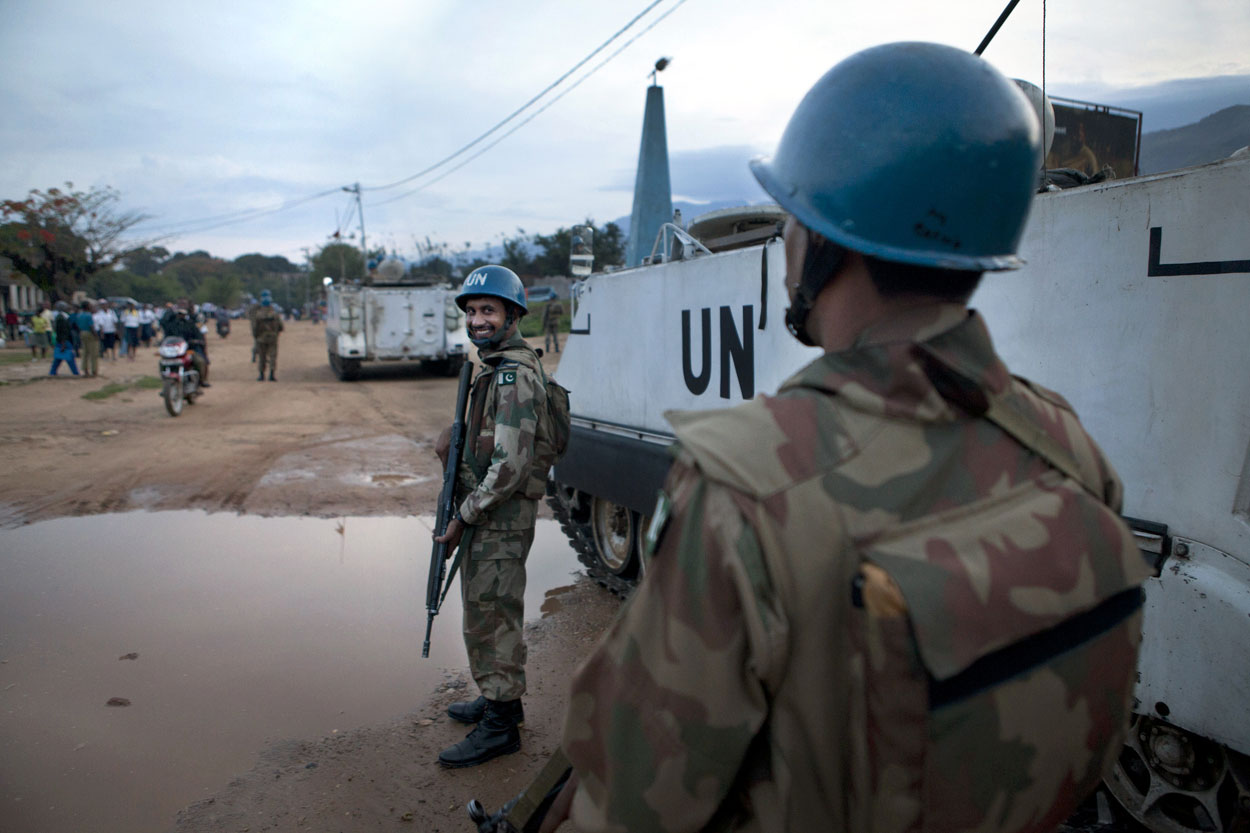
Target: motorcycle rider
(181, 324)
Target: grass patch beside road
(113, 388)
(17, 357)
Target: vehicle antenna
(1002, 18)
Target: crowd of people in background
(86, 332)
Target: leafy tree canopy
(339, 261)
(60, 238)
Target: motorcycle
(223, 327)
(181, 381)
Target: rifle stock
(446, 505)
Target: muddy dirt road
(305, 445)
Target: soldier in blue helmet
(864, 609)
(501, 478)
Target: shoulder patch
(506, 376)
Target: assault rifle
(446, 506)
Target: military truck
(393, 316)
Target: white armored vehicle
(393, 318)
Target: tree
(609, 246)
(224, 290)
(258, 264)
(609, 249)
(144, 260)
(193, 270)
(60, 238)
(339, 261)
(516, 255)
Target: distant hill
(1208, 140)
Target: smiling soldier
(501, 477)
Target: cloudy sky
(199, 112)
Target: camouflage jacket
(266, 324)
(509, 393)
(551, 314)
(729, 693)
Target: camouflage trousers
(492, 587)
(267, 353)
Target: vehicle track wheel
(173, 397)
(1173, 781)
(616, 533)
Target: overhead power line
(200, 224)
(523, 107)
(532, 116)
(179, 227)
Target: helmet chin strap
(820, 262)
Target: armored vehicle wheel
(1172, 781)
(616, 535)
(173, 397)
(347, 370)
(449, 366)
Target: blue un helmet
(912, 152)
(266, 298)
(500, 282)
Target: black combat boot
(271, 377)
(471, 711)
(495, 735)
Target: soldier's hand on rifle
(443, 445)
(455, 528)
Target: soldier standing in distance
(266, 324)
(502, 476)
(871, 606)
(551, 324)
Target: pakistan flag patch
(507, 377)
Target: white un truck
(394, 318)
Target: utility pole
(360, 212)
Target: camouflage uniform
(551, 324)
(734, 693)
(266, 324)
(500, 510)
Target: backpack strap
(1032, 437)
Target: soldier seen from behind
(897, 594)
(266, 325)
(551, 324)
(501, 477)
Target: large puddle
(222, 633)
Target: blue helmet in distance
(499, 281)
(266, 297)
(912, 152)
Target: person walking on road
(502, 477)
(131, 322)
(89, 338)
(266, 325)
(64, 348)
(551, 324)
(106, 325)
(879, 599)
(41, 335)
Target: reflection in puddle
(551, 604)
(232, 631)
